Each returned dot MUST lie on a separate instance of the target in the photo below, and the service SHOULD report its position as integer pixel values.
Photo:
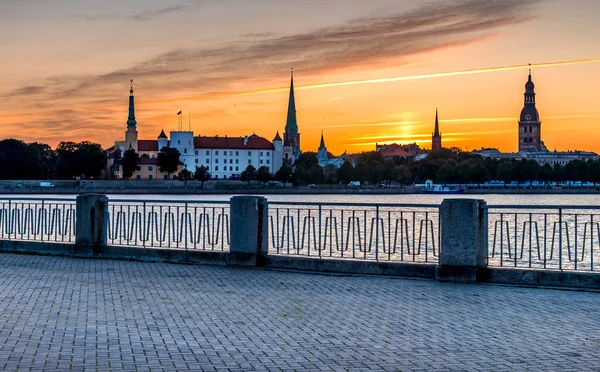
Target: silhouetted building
(436, 138)
(291, 137)
(530, 126)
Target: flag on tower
(179, 113)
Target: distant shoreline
(294, 191)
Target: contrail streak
(221, 95)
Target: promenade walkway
(84, 314)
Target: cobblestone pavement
(83, 314)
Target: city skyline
(365, 73)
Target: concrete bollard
(463, 257)
(90, 238)
(248, 244)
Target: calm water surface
(400, 199)
(511, 199)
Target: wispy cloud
(218, 71)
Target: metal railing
(201, 225)
(544, 237)
(379, 232)
(41, 220)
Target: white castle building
(224, 157)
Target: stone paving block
(81, 314)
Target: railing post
(90, 227)
(464, 236)
(249, 231)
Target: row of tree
(455, 166)
(19, 160)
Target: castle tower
(436, 138)
(277, 153)
(163, 141)
(291, 137)
(131, 135)
(530, 126)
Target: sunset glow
(368, 72)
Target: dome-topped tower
(530, 127)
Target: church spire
(322, 145)
(291, 125)
(131, 122)
(436, 131)
(436, 138)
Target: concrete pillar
(90, 234)
(249, 230)
(463, 256)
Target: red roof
(147, 145)
(394, 151)
(254, 143)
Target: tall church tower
(530, 126)
(436, 138)
(291, 137)
(131, 135)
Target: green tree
(478, 173)
(577, 170)
(17, 161)
(201, 174)
(505, 172)
(344, 173)
(315, 174)
(403, 176)
(129, 162)
(284, 174)
(306, 160)
(168, 160)
(390, 171)
(263, 175)
(594, 168)
(249, 174)
(375, 172)
(446, 173)
(84, 159)
(330, 174)
(185, 175)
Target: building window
(230, 153)
(178, 142)
(216, 168)
(150, 168)
(261, 153)
(249, 153)
(216, 161)
(138, 177)
(237, 153)
(166, 176)
(207, 153)
(237, 168)
(185, 151)
(150, 177)
(216, 153)
(268, 161)
(138, 168)
(230, 161)
(230, 168)
(237, 161)
(207, 161)
(261, 161)
(197, 161)
(249, 161)
(196, 152)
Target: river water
(492, 199)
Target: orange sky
(67, 75)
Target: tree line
(20, 160)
